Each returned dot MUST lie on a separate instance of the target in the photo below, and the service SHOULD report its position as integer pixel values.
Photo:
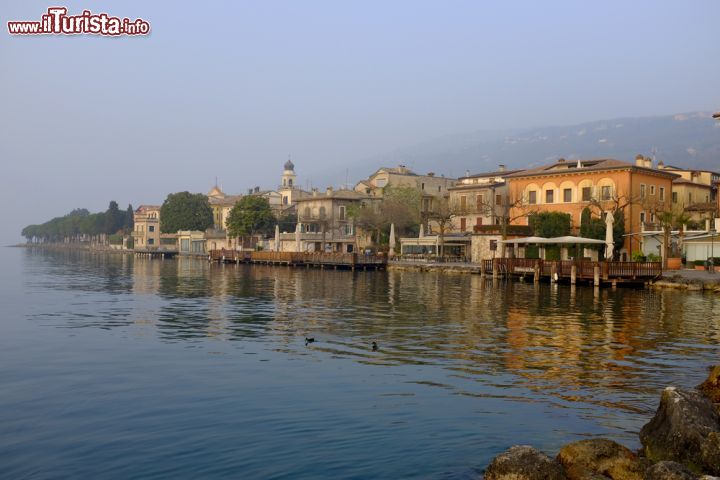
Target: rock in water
(599, 457)
(685, 429)
(711, 387)
(668, 471)
(523, 462)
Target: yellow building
(570, 186)
(694, 192)
(146, 234)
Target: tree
(185, 211)
(550, 224)
(129, 222)
(369, 219)
(442, 214)
(113, 218)
(401, 206)
(250, 215)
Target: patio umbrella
(297, 237)
(391, 252)
(277, 238)
(609, 241)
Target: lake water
(115, 367)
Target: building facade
(479, 199)
(325, 223)
(146, 233)
(638, 189)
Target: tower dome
(289, 165)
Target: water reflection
(598, 351)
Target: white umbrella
(422, 231)
(609, 240)
(297, 237)
(391, 252)
(277, 238)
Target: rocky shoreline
(680, 282)
(681, 442)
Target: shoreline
(688, 280)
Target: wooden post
(573, 274)
(553, 272)
(596, 275)
(494, 268)
(537, 271)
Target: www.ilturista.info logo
(58, 22)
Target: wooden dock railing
(584, 269)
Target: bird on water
(374, 346)
(309, 340)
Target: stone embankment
(691, 280)
(443, 267)
(681, 442)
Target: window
(306, 212)
(642, 217)
(479, 201)
(478, 221)
(151, 241)
(532, 197)
(463, 203)
(642, 190)
(689, 197)
(342, 212)
(586, 194)
(606, 192)
(151, 228)
(652, 189)
(674, 197)
(498, 199)
(567, 195)
(439, 188)
(463, 224)
(662, 194)
(549, 196)
(652, 218)
(289, 182)
(422, 186)
(322, 212)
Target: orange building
(570, 186)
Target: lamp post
(711, 263)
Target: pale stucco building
(146, 233)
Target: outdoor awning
(553, 240)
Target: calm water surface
(114, 367)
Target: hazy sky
(229, 89)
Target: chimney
(661, 165)
(329, 191)
(579, 164)
(314, 192)
(639, 160)
(257, 189)
(501, 168)
(648, 162)
(431, 174)
(467, 173)
(561, 160)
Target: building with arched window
(638, 189)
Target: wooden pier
(346, 261)
(575, 271)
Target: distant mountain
(689, 139)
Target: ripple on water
(189, 369)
